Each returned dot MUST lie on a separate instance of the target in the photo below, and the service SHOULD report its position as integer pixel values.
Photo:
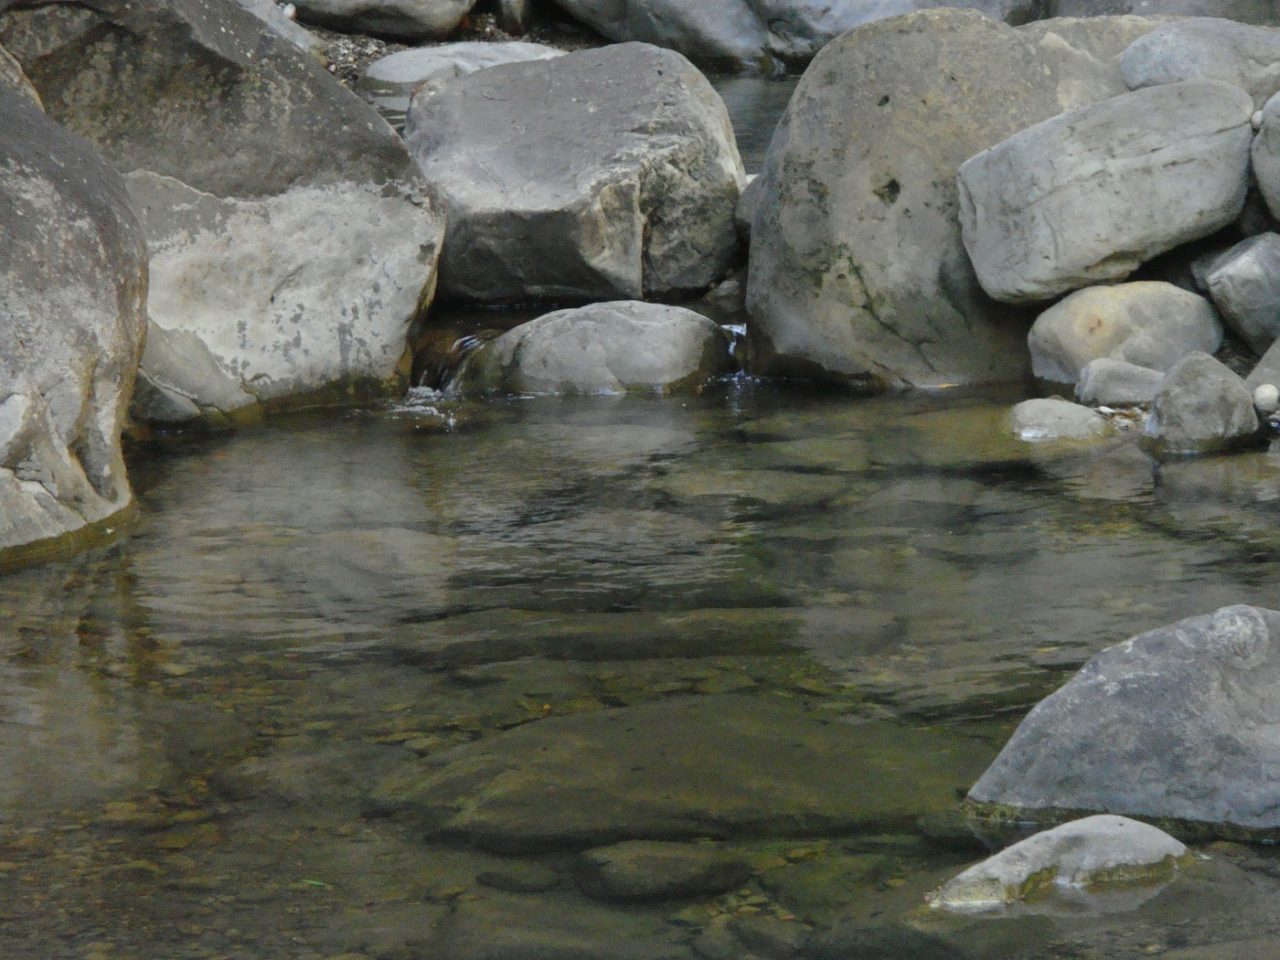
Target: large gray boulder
(858, 271)
(1180, 723)
(1117, 383)
(1206, 48)
(401, 19)
(1067, 203)
(1246, 11)
(602, 174)
(604, 348)
(73, 288)
(1093, 851)
(1266, 156)
(1245, 287)
(291, 234)
(1201, 407)
(1149, 323)
(760, 33)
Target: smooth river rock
(73, 286)
(1207, 48)
(602, 174)
(1181, 723)
(653, 870)
(604, 348)
(400, 19)
(1245, 286)
(858, 272)
(760, 34)
(430, 69)
(290, 232)
(1148, 323)
(1067, 203)
(641, 773)
(1088, 852)
(1201, 407)
(1055, 419)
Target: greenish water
(371, 683)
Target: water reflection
(306, 611)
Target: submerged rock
(602, 174)
(1089, 852)
(858, 272)
(1180, 723)
(653, 870)
(1151, 324)
(1201, 407)
(641, 773)
(1208, 48)
(1245, 285)
(605, 348)
(73, 286)
(1053, 419)
(1039, 219)
(289, 230)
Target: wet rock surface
(1056, 419)
(650, 870)
(623, 189)
(1201, 407)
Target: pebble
(1266, 398)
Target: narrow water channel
(369, 685)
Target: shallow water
(367, 683)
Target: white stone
(1091, 851)
(1266, 399)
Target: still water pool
(378, 683)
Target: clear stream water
(366, 684)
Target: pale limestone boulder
(1148, 323)
(1067, 203)
(858, 271)
(1085, 853)
(1245, 286)
(604, 348)
(1207, 48)
(603, 174)
(73, 287)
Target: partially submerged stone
(602, 174)
(1117, 383)
(1093, 851)
(1201, 407)
(289, 230)
(1181, 723)
(1207, 48)
(1067, 203)
(604, 348)
(73, 285)
(1054, 419)
(1148, 323)
(1245, 286)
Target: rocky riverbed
(454, 507)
